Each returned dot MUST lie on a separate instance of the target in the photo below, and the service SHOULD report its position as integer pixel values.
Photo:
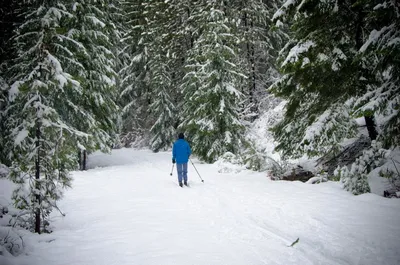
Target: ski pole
(172, 169)
(202, 180)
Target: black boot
(180, 184)
(185, 183)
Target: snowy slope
(133, 212)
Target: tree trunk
(370, 123)
(37, 177)
(253, 78)
(82, 159)
(251, 59)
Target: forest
(78, 76)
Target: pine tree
(260, 42)
(44, 145)
(135, 95)
(162, 107)
(210, 110)
(380, 54)
(163, 130)
(151, 78)
(3, 106)
(91, 26)
(321, 76)
(9, 18)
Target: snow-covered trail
(133, 212)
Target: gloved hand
(173, 161)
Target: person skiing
(180, 154)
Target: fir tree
(210, 111)
(135, 96)
(3, 106)
(91, 26)
(150, 79)
(44, 145)
(380, 54)
(163, 130)
(9, 18)
(162, 107)
(320, 76)
(260, 42)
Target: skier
(180, 154)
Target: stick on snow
(295, 242)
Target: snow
(128, 210)
(378, 6)
(394, 42)
(339, 53)
(55, 63)
(279, 23)
(259, 131)
(14, 90)
(379, 184)
(80, 146)
(373, 37)
(75, 6)
(96, 21)
(316, 128)
(322, 57)
(21, 136)
(282, 11)
(296, 51)
(360, 121)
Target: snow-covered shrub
(229, 163)
(3, 171)
(355, 179)
(253, 158)
(10, 241)
(277, 168)
(392, 176)
(320, 177)
(391, 171)
(3, 210)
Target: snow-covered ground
(131, 211)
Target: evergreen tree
(163, 130)
(91, 26)
(211, 85)
(3, 106)
(260, 42)
(62, 97)
(9, 19)
(162, 107)
(151, 78)
(321, 75)
(43, 145)
(135, 95)
(380, 54)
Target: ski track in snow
(133, 212)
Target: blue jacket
(181, 151)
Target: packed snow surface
(128, 210)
